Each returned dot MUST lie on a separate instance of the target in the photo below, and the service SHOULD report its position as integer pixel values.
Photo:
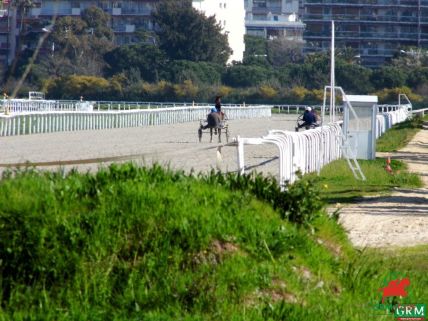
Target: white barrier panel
(386, 120)
(48, 122)
(310, 150)
(306, 151)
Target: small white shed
(359, 124)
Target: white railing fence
(388, 108)
(386, 120)
(310, 150)
(420, 112)
(29, 105)
(34, 105)
(306, 151)
(294, 109)
(48, 122)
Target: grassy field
(134, 243)
(337, 183)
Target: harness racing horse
(214, 121)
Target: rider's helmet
(308, 108)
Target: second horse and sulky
(215, 122)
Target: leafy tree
(78, 46)
(254, 46)
(255, 51)
(184, 33)
(149, 60)
(282, 51)
(418, 77)
(353, 78)
(348, 55)
(410, 58)
(178, 71)
(314, 73)
(245, 76)
(98, 21)
(388, 77)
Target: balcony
(364, 35)
(364, 18)
(364, 3)
(53, 11)
(136, 11)
(124, 29)
(267, 9)
(274, 24)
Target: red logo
(395, 288)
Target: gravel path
(397, 220)
(175, 145)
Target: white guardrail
(385, 121)
(48, 122)
(310, 150)
(29, 105)
(306, 151)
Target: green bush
(299, 202)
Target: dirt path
(397, 220)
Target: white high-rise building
(274, 19)
(231, 16)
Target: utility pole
(332, 78)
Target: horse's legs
(219, 135)
(211, 134)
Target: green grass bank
(133, 243)
(337, 184)
(399, 135)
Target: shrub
(186, 90)
(299, 203)
(72, 87)
(391, 95)
(267, 91)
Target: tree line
(184, 59)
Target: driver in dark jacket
(309, 118)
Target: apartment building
(274, 19)
(231, 16)
(127, 16)
(376, 29)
